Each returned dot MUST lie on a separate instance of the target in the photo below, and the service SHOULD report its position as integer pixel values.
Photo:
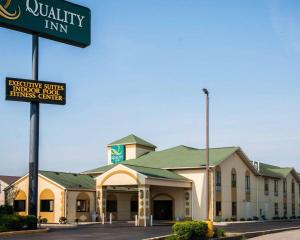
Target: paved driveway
(290, 235)
(261, 226)
(118, 232)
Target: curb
(159, 238)
(8, 234)
(237, 236)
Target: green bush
(3, 229)
(255, 218)
(249, 219)
(15, 222)
(219, 232)
(173, 237)
(30, 222)
(44, 220)
(6, 210)
(242, 219)
(11, 222)
(191, 230)
(233, 219)
(63, 220)
(276, 218)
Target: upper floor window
(218, 180)
(266, 186)
(233, 178)
(276, 187)
(284, 186)
(247, 183)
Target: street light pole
(207, 150)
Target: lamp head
(205, 91)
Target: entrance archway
(163, 207)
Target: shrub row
(15, 222)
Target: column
(144, 206)
(101, 202)
(188, 204)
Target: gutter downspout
(257, 198)
(66, 204)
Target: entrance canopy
(128, 175)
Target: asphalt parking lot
(118, 232)
(128, 231)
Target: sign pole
(34, 134)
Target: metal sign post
(34, 134)
(57, 20)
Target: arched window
(247, 182)
(20, 202)
(233, 178)
(218, 179)
(47, 201)
(83, 203)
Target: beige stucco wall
(43, 185)
(3, 185)
(266, 202)
(244, 209)
(72, 214)
(198, 177)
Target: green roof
(156, 172)
(71, 180)
(132, 139)
(176, 158)
(273, 171)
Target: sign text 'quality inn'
(54, 19)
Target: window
(276, 187)
(266, 186)
(233, 180)
(82, 206)
(293, 187)
(247, 181)
(134, 206)
(47, 205)
(218, 181)
(276, 213)
(285, 209)
(218, 209)
(284, 187)
(111, 206)
(233, 209)
(20, 206)
(293, 209)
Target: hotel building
(139, 181)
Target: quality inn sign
(58, 20)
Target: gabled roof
(157, 173)
(71, 180)
(273, 171)
(9, 179)
(132, 139)
(176, 158)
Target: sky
(144, 73)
